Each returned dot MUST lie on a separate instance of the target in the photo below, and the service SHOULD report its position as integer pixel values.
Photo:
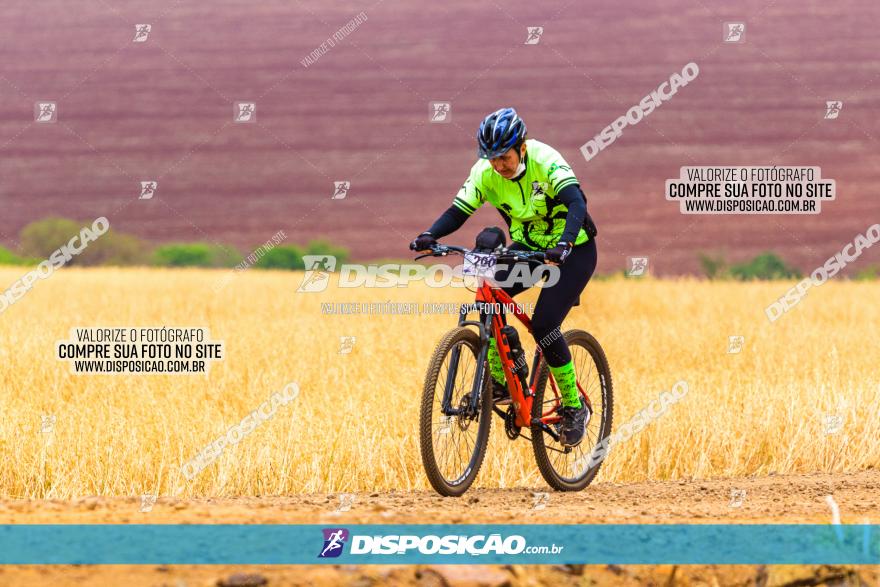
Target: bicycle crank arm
(546, 428)
(501, 413)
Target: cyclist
(541, 201)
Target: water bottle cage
(512, 336)
(517, 356)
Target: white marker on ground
(835, 516)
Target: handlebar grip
(537, 256)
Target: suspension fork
(446, 406)
(479, 380)
(485, 326)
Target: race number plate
(479, 265)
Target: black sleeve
(449, 222)
(573, 197)
(504, 217)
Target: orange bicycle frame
(522, 398)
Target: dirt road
(790, 499)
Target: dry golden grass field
(353, 427)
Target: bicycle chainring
(510, 427)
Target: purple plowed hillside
(163, 110)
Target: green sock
(566, 381)
(495, 366)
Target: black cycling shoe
(500, 393)
(573, 424)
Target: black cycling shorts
(556, 301)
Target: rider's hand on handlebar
(423, 243)
(558, 254)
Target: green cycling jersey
(530, 202)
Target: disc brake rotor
(464, 421)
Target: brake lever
(434, 253)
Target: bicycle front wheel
(454, 438)
(572, 469)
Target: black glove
(558, 254)
(423, 242)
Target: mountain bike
(457, 405)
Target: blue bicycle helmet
(500, 131)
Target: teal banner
(249, 544)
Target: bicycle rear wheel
(453, 446)
(572, 469)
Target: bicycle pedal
(500, 394)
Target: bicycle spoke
(570, 465)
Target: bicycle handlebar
(440, 250)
